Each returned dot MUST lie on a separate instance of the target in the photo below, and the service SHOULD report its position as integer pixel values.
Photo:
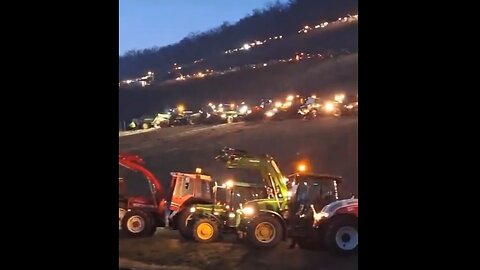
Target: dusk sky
(148, 23)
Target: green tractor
(258, 219)
(149, 120)
(209, 221)
(281, 211)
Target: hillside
(309, 76)
(275, 19)
(266, 70)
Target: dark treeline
(276, 18)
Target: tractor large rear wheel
(137, 223)
(342, 235)
(265, 232)
(184, 224)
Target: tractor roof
(306, 176)
(248, 184)
(192, 175)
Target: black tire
(184, 227)
(137, 223)
(206, 230)
(267, 220)
(341, 236)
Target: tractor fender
(186, 206)
(209, 215)
(349, 206)
(347, 210)
(279, 217)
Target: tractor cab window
(187, 186)
(222, 195)
(299, 200)
(321, 192)
(245, 194)
(326, 190)
(203, 189)
(301, 196)
(183, 186)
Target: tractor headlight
(231, 215)
(193, 209)
(243, 109)
(248, 211)
(329, 107)
(269, 114)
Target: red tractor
(316, 217)
(140, 213)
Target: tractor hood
(214, 209)
(264, 204)
(334, 207)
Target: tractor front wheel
(205, 230)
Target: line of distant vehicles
(291, 107)
(148, 79)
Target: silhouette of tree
(275, 18)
